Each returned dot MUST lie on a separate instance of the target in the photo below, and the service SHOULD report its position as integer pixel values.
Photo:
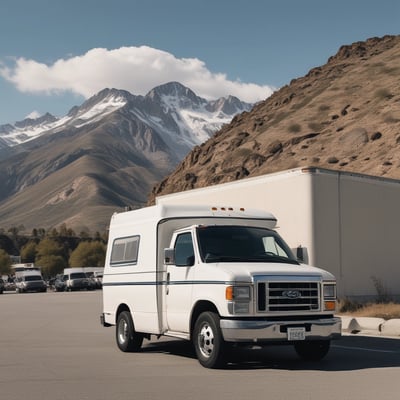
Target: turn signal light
(330, 305)
(229, 293)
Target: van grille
(288, 296)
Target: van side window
(125, 250)
(184, 252)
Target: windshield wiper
(209, 258)
(277, 258)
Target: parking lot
(53, 347)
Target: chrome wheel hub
(206, 340)
(122, 331)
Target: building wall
(370, 240)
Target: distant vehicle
(98, 277)
(76, 279)
(2, 286)
(30, 281)
(9, 284)
(59, 284)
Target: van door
(179, 284)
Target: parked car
(98, 277)
(92, 283)
(2, 286)
(10, 285)
(59, 284)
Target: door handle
(167, 286)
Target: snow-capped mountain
(103, 155)
(183, 118)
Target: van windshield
(78, 275)
(242, 243)
(33, 278)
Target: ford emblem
(291, 294)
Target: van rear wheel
(128, 340)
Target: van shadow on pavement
(347, 354)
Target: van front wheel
(208, 341)
(127, 339)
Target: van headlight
(237, 293)
(329, 293)
(239, 297)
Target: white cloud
(136, 69)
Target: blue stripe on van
(160, 283)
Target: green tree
(84, 234)
(53, 233)
(41, 232)
(88, 254)
(66, 232)
(5, 263)
(50, 257)
(28, 252)
(52, 265)
(63, 230)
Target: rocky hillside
(344, 115)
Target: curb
(371, 326)
(390, 327)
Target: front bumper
(79, 285)
(33, 288)
(255, 331)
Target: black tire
(314, 350)
(208, 341)
(127, 339)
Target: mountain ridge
(102, 156)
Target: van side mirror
(170, 259)
(302, 254)
(169, 256)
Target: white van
(76, 279)
(216, 276)
(29, 281)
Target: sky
(55, 54)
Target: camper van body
(158, 280)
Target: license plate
(296, 333)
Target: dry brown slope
(344, 115)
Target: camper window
(125, 250)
